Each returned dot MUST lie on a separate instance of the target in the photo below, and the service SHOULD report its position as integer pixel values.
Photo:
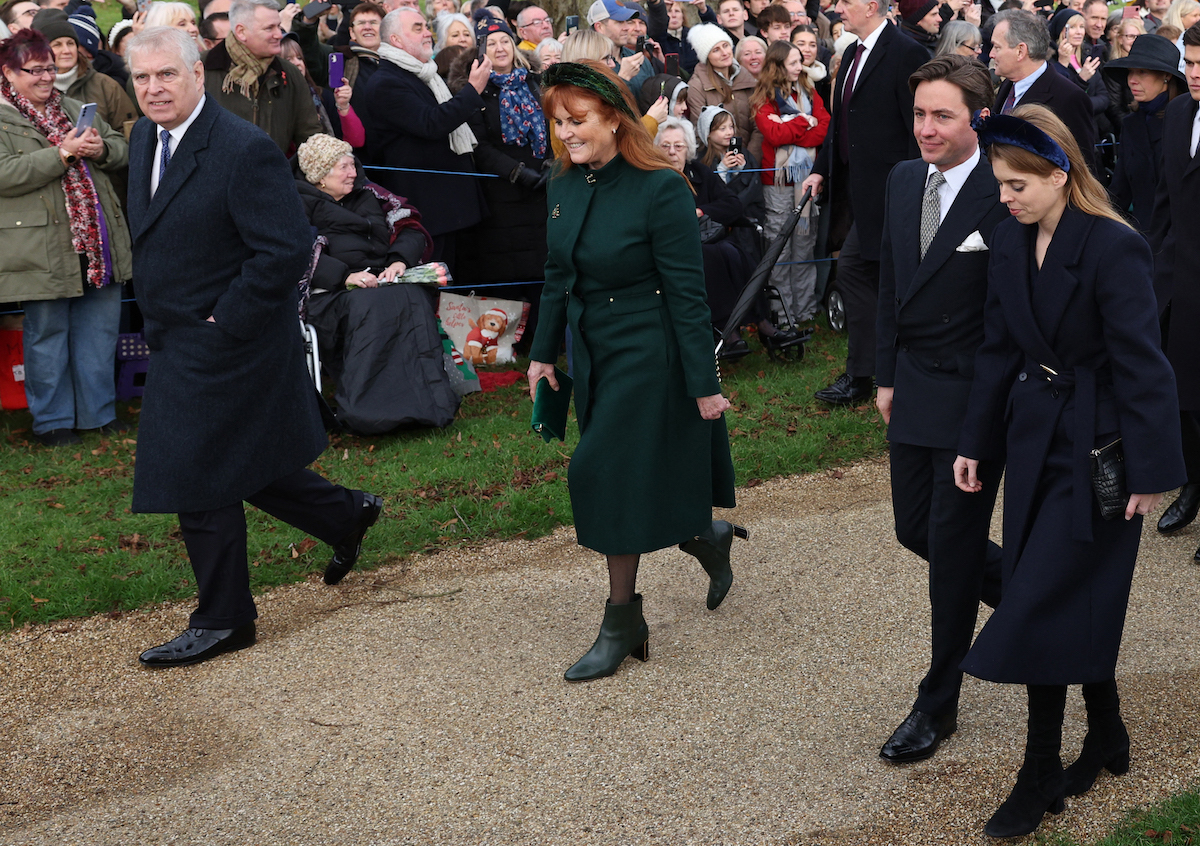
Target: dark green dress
(625, 271)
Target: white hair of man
(242, 11)
(685, 128)
(164, 39)
(391, 22)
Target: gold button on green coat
(625, 272)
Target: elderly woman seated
(378, 338)
(727, 265)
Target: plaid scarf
(83, 204)
(521, 119)
(245, 69)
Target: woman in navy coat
(1071, 361)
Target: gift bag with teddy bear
(483, 329)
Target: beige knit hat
(319, 154)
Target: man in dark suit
(939, 216)
(869, 133)
(1176, 248)
(1020, 42)
(220, 241)
(412, 121)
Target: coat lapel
(1050, 300)
(567, 214)
(1015, 292)
(141, 153)
(976, 198)
(183, 162)
(874, 58)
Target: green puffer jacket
(37, 261)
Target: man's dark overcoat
(229, 407)
(1175, 238)
(1088, 315)
(1068, 101)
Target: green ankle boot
(711, 549)
(623, 632)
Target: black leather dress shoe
(918, 737)
(345, 554)
(1182, 511)
(196, 645)
(846, 390)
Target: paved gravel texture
(424, 703)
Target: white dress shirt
(1022, 85)
(869, 44)
(176, 135)
(1195, 133)
(955, 177)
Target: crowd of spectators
(440, 105)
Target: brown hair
(1084, 191)
(970, 76)
(633, 141)
(1191, 38)
(710, 152)
(774, 76)
(1170, 33)
(773, 14)
(366, 8)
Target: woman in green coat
(625, 272)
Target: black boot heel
(623, 633)
(711, 549)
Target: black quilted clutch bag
(1108, 479)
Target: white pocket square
(973, 244)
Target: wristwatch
(68, 159)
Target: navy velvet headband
(1006, 129)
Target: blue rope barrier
(442, 172)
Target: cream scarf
(462, 139)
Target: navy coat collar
(144, 210)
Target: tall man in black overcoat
(944, 205)
(409, 125)
(870, 131)
(1175, 240)
(1020, 42)
(229, 413)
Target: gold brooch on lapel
(591, 179)
(554, 214)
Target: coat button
(1022, 377)
(904, 347)
(945, 318)
(936, 363)
(18, 223)
(1054, 393)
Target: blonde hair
(1118, 47)
(587, 44)
(1176, 11)
(1084, 191)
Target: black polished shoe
(345, 554)
(57, 437)
(846, 391)
(918, 737)
(196, 645)
(1182, 511)
(623, 633)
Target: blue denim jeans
(70, 351)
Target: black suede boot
(623, 632)
(1106, 745)
(711, 549)
(1039, 786)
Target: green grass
(1175, 821)
(70, 546)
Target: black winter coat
(407, 127)
(1138, 167)
(509, 245)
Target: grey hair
(954, 35)
(242, 11)
(391, 23)
(553, 43)
(442, 25)
(684, 126)
(164, 39)
(1024, 28)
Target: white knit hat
(703, 37)
(707, 115)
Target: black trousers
(858, 280)
(949, 529)
(1190, 429)
(216, 541)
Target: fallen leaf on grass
(37, 600)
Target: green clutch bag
(550, 407)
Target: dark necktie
(844, 111)
(931, 210)
(165, 158)
(1010, 102)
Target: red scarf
(82, 203)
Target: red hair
(633, 141)
(26, 45)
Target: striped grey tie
(931, 210)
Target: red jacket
(795, 131)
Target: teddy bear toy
(482, 346)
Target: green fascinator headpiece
(582, 76)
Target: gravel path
(424, 704)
